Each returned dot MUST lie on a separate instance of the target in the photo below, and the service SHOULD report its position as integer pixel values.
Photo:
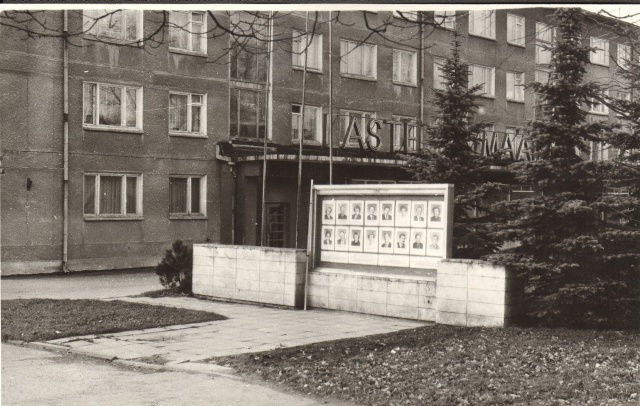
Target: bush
(176, 268)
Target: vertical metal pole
(331, 97)
(422, 64)
(310, 242)
(301, 128)
(65, 179)
(263, 208)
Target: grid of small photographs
(404, 227)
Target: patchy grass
(444, 365)
(48, 319)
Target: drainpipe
(65, 179)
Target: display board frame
(381, 227)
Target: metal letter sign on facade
(382, 226)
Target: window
(188, 195)
(118, 24)
(187, 113)
(249, 54)
(112, 106)
(545, 37)
(597, 107)
(483, 76)
(439, 80)
(277, 224)
(187, 31)
(112, 195)
(542, 76)
(624, 55)
(358, 59)
(600, 56)
(445, 19)
(515, 29)
(314, 49)
(407, 15)
(482, 23)
(404, 67)
(247, 113)
(362, 118)
(515, 86)
(312, 130)
(398, 134)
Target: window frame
(95, 125)
(598, 108)
(492, 69)
(518, 88)
(92, 24)
(447, 20)
(412, 141)
(344, 113)
(414, 68)
(318, 113)
(543, 28)
(345, 63)
(203, 115)
(409, 15)
(202, 214)
(190, 33)
(261, 108)
(437, 83)
(623, 57)
(299, 37)
(123, 215)
(475, 16)
(600, 53)
(517, 41)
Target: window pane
(195, 195)
(111, 24)
(248, 114)
(178, 112)
(195, 118)
(89, 194)
(110, 194)
(89, 103)
(132, 185)
(309, 130)
(110, 112)
(131, 107)
(131, 17)
(196, 35)
(233, 113)
(179, 30)
(178, 195)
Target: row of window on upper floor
(357, 59)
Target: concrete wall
(476, 293)
(257, 274)
(409, 297)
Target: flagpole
(301, 127)
(267, 132)
(330, 98)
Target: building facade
(149, 126)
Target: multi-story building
(113, 147)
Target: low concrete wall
(256, 274)
(476, 293)
(410, 297)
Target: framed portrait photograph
(329, 212)
(385, 240)
(371, 213)
(402, 241)
(418, 237)
(342, 212)
(342, 239)
(356, 216)
(328, 241)
(370, 240)
(403, 213)
(387, 213)
(435, 215)
(355, 239)
(418, 214)
(434, 243)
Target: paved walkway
(249, 328)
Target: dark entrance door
(277, 225)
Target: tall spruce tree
(577, 246)
(448, 156)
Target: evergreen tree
(577, 246)
(448, 156)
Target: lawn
(443, 365)
(47, 319)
